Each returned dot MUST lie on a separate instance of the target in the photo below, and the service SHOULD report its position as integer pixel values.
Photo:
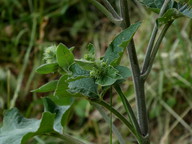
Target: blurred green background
(27, 27)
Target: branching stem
(111, 9)
(108, 13)
(155, 50)
(128, 109)
(152, 39)
(117, 114)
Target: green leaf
(18, 130)
(62, 96)
(64, 57)
(173, 14)
(155, 5)
(110, 77)
(47, 68)
(91, 49)
(84, 86)
(48, 87)
(50, 106)
(80, 108)
(175, 9)
(71, 49)
(78, 71)
(169, 16)
(116, 48)
(85, 64)
(124, 72)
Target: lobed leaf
(50, 106)
(17, 129)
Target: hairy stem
(138, 82)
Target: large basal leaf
(116, 48)
(47, 68)
(64, 57)
(18, 130)
(48, 87)
(84, 86)
(50, 106)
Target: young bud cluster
(50, 54)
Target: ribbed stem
(138, 82)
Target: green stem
(155, 50)
(117, 21)
(107, 119)
(149, 48)
(111, 118)
(138, 82)
(152, 38)
(124, 11)
(111, 9)
(128, 108)
(117, 114)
